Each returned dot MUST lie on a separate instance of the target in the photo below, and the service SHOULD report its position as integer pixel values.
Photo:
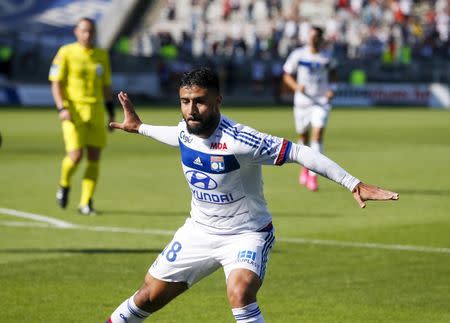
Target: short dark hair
(202, 77)
(319, 31)
(89, 20)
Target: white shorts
(194, 254)
(314, 116)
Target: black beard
(205, 127)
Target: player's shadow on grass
(126, 212)
(306, 214)
(89, 251)
(82, 251)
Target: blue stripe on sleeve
(245, 134)
(239, 138)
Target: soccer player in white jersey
(313, 92)
(229, 224)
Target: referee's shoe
(62, 196)
(87, 209)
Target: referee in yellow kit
(81, 86)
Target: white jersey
(224, 172)
(312, 72)
(224, 175)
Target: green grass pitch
(51, 274)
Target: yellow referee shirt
(84, 72)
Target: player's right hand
(131, 121)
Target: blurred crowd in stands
(248, 40)
(260, 33)
(403, 29)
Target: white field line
(366, 245)
(87, 228)
(26, 224)
(36, 217)
(57, 224)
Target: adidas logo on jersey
(198, 161)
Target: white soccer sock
(248, 313)
(128, 312)
(317, 146)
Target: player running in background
(229, 224)
(313, 93)
(81, 87)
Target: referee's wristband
(60, 109)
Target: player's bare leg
(315, 144)
(242, 287)
(152, 296)
(68, 166)
(155, 293)
(303, 139)
(89, 181)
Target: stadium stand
(398, 38)
(245, 40)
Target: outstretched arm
(132, 123)
(326, 167)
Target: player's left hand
(131, 121)
(111, 119)
(365, 192)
